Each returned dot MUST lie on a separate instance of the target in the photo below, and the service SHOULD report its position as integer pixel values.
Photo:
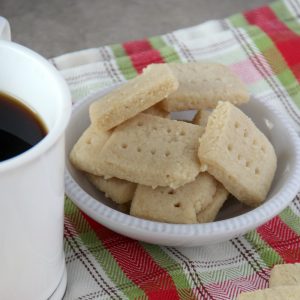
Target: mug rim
(5, 32)
(63, 115)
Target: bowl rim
(242, 223)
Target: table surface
(59, 26)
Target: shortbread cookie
(209, 213)
(278, 293)
(174, 206)
(85, 153)
(201, 117)
(118, 190)
(154, 84)
(237, 154)
(286, 274)
(156, 110)
(202, 85)
(153, 151)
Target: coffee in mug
(20, 127)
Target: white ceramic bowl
(234, 218)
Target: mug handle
(4, 29)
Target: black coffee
(20, 127)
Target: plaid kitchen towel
(263, 47)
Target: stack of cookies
(176, 171)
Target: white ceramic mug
(32, 264)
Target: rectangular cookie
(237, 154)
(201, 117)
(85, 153)
(118, 190)
(277, 293)
(209, 213)
(154, 84)
(202, 85)
(156, 110)
(178, 206)
(285, 274)
(153, 151)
